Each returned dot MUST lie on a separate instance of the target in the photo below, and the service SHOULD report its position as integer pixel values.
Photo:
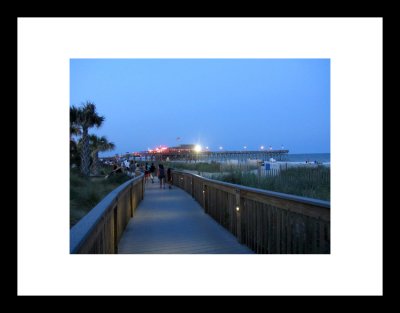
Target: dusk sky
(212, 102)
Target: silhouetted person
(146, 173)
(116, 169)
(169, 178)
(152, 170)
(161, 175)
(137, 170)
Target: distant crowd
(134, 169)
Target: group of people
(162, 176)
(135, 169)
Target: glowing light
(197, 148)
(237, 209)
(220, 148)
(262, 147)
(206, 148)
(245, 147)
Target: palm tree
(98, 144)
(86, 117)
(74, 130)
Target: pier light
(197, 148)
(220, 148)
(206, 148)
(262, 147)
(237, 209)
(244, 147)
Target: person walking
(126, 166)
(169, 178)
(137, 170)
(152, 170)
(132, 168)
(161, 175)
(146, 173)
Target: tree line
(85, 147)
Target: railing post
(131, 199)
(116, 228)
(205, 198)
(239, 208)
(142, 188)
(192, 186)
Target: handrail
(100, 229)
(316, 202)
(266, 221)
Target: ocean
(311, 157)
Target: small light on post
(262, 147)
(237, 209)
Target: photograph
(200, 155)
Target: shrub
(86, 193)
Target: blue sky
(213, 102)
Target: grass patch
(213, 167)
(300, 181)
(85, 192)
(199, 166)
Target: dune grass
(85, 192)
(213, 167)
(199, 166)
(300, 181)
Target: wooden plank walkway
(171, 221)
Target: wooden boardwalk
(171, 221)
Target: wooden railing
(100, 230)
(265, 221)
